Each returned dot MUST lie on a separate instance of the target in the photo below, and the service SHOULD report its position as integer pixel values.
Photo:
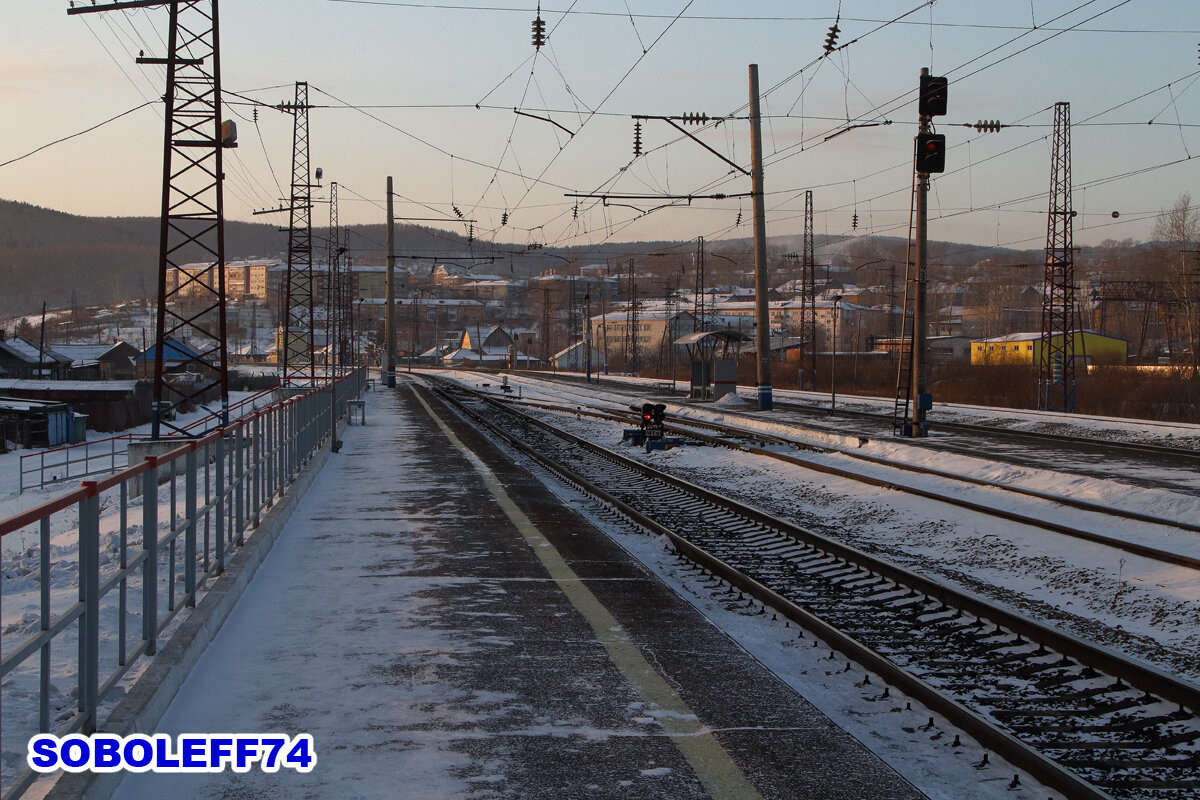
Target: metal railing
(92, 584)
(85, 459)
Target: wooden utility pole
(390, 291)
(762, 316)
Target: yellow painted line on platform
(713, 766)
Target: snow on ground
(1119, 600)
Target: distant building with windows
(244, 280)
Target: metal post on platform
(390, 286)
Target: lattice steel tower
(190, 330)
(297, 364)
(1056, 363)
(699, 310)
(808, 300)
(336, 291)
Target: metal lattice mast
(333, 289)
(698, 309)
(298, 364)
(808, 299)
(1056, 362)
(191, 313)
(346, 302)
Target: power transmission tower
(1056, 362)
(808, 300)
(699, 310)
(193, 213)
(298, 366)
(335, 289)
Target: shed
(714, 373)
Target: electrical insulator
(457, 213)
(695, 119)
(739, 220)
(539, 32)
(854, 222)
(831, 39)
(255, 110)
(470, 234)
(987, 125)
(637, 138)
(575, 212)
(503, 219)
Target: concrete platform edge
(147, 700)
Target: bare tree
(1179, 227)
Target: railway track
(1079, 718)
(729, 436)
(882, 426)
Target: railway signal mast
(191, 316)
(912, 396)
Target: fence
(102, 589)
(85, 459)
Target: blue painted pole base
(391, 379)
(764, 397)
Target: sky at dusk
(426, 92)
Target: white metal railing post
(221, 495)
(189, 541)
(150, 549)
(271, 423)
(256, 438)
(123, 564)
(44, 572)
(89, 596)
(239, 493)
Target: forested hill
(48, 255)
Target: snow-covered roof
(34, 384)
(1033, 336)
(27, 351)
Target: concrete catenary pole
(761, 314)
(390, 290)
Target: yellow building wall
(1099, 349)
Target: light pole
(837, 301)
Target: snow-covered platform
(444, 626)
